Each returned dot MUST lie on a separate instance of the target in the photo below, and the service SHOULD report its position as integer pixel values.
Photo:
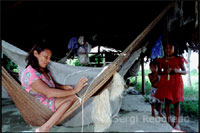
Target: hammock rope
(37, 113)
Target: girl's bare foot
(170, 123)
(153, 114)
(176, 126)
(40, 129)
(160, 115)
(37, 130)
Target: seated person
(37, 80)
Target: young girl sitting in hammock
(37, 80)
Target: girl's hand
(81, 83)
(169, 70)
(176, 70)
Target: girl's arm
(59, 86)
(153, 79)
(182, 71)
(156, 83)
(66, 87)
(41, 87)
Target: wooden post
(99, 55)
(143, 75)
(104, 58)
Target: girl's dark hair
(172, 43)
(39, 46)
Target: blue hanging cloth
(157, 50)
(73, 43)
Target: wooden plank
(116, 65)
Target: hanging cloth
(157, 50)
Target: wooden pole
(99, 55)
(143, 75)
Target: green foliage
(189, 92)
(76, 62)
(15, 70)
(146, 98)
(146, 72)
(195, 84)
(148, 87)
(190, 108)
(11, 65)
(194, 72)
(139, 84)
(97, 57)
(73, 62)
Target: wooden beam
(143, 75)
(125, 55)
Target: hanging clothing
(83, 51)
(73, 45)
(157, 50)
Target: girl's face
(169, 50)
(43, 57)
(153, 68)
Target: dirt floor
(135, 115)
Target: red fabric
(171, 89)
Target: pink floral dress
(29, 75)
